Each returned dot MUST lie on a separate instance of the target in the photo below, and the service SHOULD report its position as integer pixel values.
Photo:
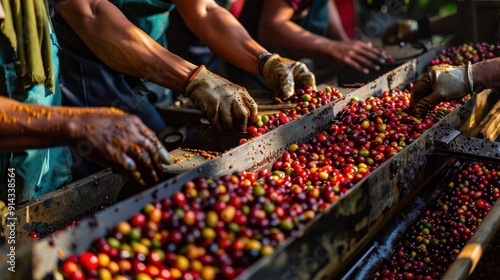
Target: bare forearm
(27, 126)
(335, 28)
(222, 33)
(277, 30)
(123, 46)
(292, 39)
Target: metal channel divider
(328, 240)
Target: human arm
(114, 137)
(276, 29)
(127, 49)
(413, 30)
(335, 28)
(226, 37)
(122, 46)
(444, 83)
(221, 32)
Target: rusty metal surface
(381, 247)
(253, 155)
(335, 238)
(469, 148)
(67, 202)
(332, 239)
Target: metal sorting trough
(333, 239)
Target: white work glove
(441, 83)
(280, 74)
(227, 106)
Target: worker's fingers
(252, 107)
(303, 75)
(152, 149)
(164, 155)
(229, 111)
(128, 165)
(421, 89)
(367, 63)
(349, 61)
(144, 162)
(371, 53)
(424, 105)
(157, 146)
(287, 84)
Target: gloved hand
(401, 31)
(280, 74)
(4, 212)
(226, 105)
(441, 83)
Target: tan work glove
(441, 83)
(4, 212)
(401, 31)
(227, 106)
(280, 74)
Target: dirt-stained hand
(123, 142)
(358, 55)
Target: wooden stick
(490, 127)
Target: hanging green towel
(26, 25)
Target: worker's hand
(401, 31)
(4, 212)
(227, 106)
(441, 83)
(112, 137)
(280, 74)
(357, 55)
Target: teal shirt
(150, 15)
(38, 171)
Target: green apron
(37, 171)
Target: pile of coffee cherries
(217, 227)
(462, 54)
(306, 99)
(213, 229)
(431, 245)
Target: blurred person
(109, 50)
(309, 29)
(35, 131)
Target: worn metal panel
(67, 202)
(332, 239)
